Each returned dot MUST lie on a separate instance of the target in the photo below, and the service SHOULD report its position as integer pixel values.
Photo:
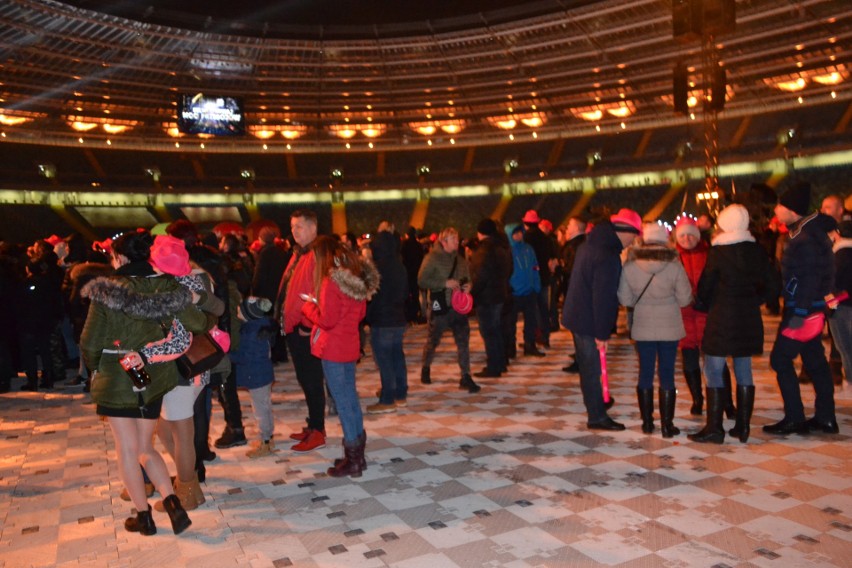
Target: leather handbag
(203, 354)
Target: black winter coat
(807, 267)
(490, 269)
(732, 288)
(591, 303)
(387, 308)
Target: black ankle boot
(646, 408)
(177, 514)
(142, 523)
(231, 437)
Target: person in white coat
(655, 285)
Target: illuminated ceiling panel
(117, 217)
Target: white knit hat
(654, 233)
(733, 218)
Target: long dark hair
(329, 254)
(135, 245)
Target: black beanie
(797, 199)
(255, 308)
(487, 227)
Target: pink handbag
(812, 327)
(462, 302)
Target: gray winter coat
(656, 316)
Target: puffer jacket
(437, 268)
(253, 358)
(807, 267)
(125, 314)
(694, 321)
(656, 315)
(341, 306)
(525, 279)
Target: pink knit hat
(169, 255)
(687, 226)
(628, 221)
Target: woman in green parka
(124, 320)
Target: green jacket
(125, 314)
(436, 267)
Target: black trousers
(230, 400)
(309, 374)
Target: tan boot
(192, 490)
(188, 492)
(149, 490)
(197, 493)
(261, 450)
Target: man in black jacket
(545, 252)
(490, 268)
(591, 306)
(807, 271)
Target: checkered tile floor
(507, 477)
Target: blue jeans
(390, 358)
(588, 360)
(491, 330)
(650, 352)
(340, 378)
(714, 365)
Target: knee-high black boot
(745, 406)
(693, 382)
(646, 408)
(730, 410)
(712, 432)
(667, 410)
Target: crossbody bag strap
(643, 289)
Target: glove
(796, 322)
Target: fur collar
(652, 252)
(122, 295)
(362, 288)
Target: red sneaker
(299, 436)
(314, 440)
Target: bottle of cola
(137, 373)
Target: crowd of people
(135, 310)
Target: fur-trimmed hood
(139, 297)
(651, 258)
(358, 288)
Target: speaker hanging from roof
(680, 88)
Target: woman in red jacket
(343, 282)
(693, 254)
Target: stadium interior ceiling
(370, 96)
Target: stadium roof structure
(493, 73)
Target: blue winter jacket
(591, 304)
(525, 279)
(253, 360)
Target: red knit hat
(169, 255)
